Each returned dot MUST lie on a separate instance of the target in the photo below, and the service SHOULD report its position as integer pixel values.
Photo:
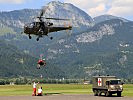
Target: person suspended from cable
(41, 62)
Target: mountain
(104, 49)
(66, 10)
(102, 45)
(103, 18)
(17, 18)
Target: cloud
(13, 1)
(92, 7)
(121, 11)
(98, 7)
(121, 8)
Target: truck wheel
(99, 93)
(95, 93)
(118, 94)
(107, 94)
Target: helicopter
(41, 62)
(41, 27)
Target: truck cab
(107, 84)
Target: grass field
(14, 90)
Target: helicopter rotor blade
(57, 19)
(42, 12)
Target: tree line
(29, 81)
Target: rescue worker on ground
(40, 91)
(34, 88)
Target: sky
(121, 8)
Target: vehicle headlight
(121, 86)
(112, 86)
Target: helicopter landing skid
(37, 39)
(30, 36)
(51, 38)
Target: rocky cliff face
(67, 10)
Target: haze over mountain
(102, 45)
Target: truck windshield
(114, 82)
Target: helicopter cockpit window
(31, 25)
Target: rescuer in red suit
(41, 62)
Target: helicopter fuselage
(36, 29)
(42, 28)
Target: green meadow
(19, 90)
